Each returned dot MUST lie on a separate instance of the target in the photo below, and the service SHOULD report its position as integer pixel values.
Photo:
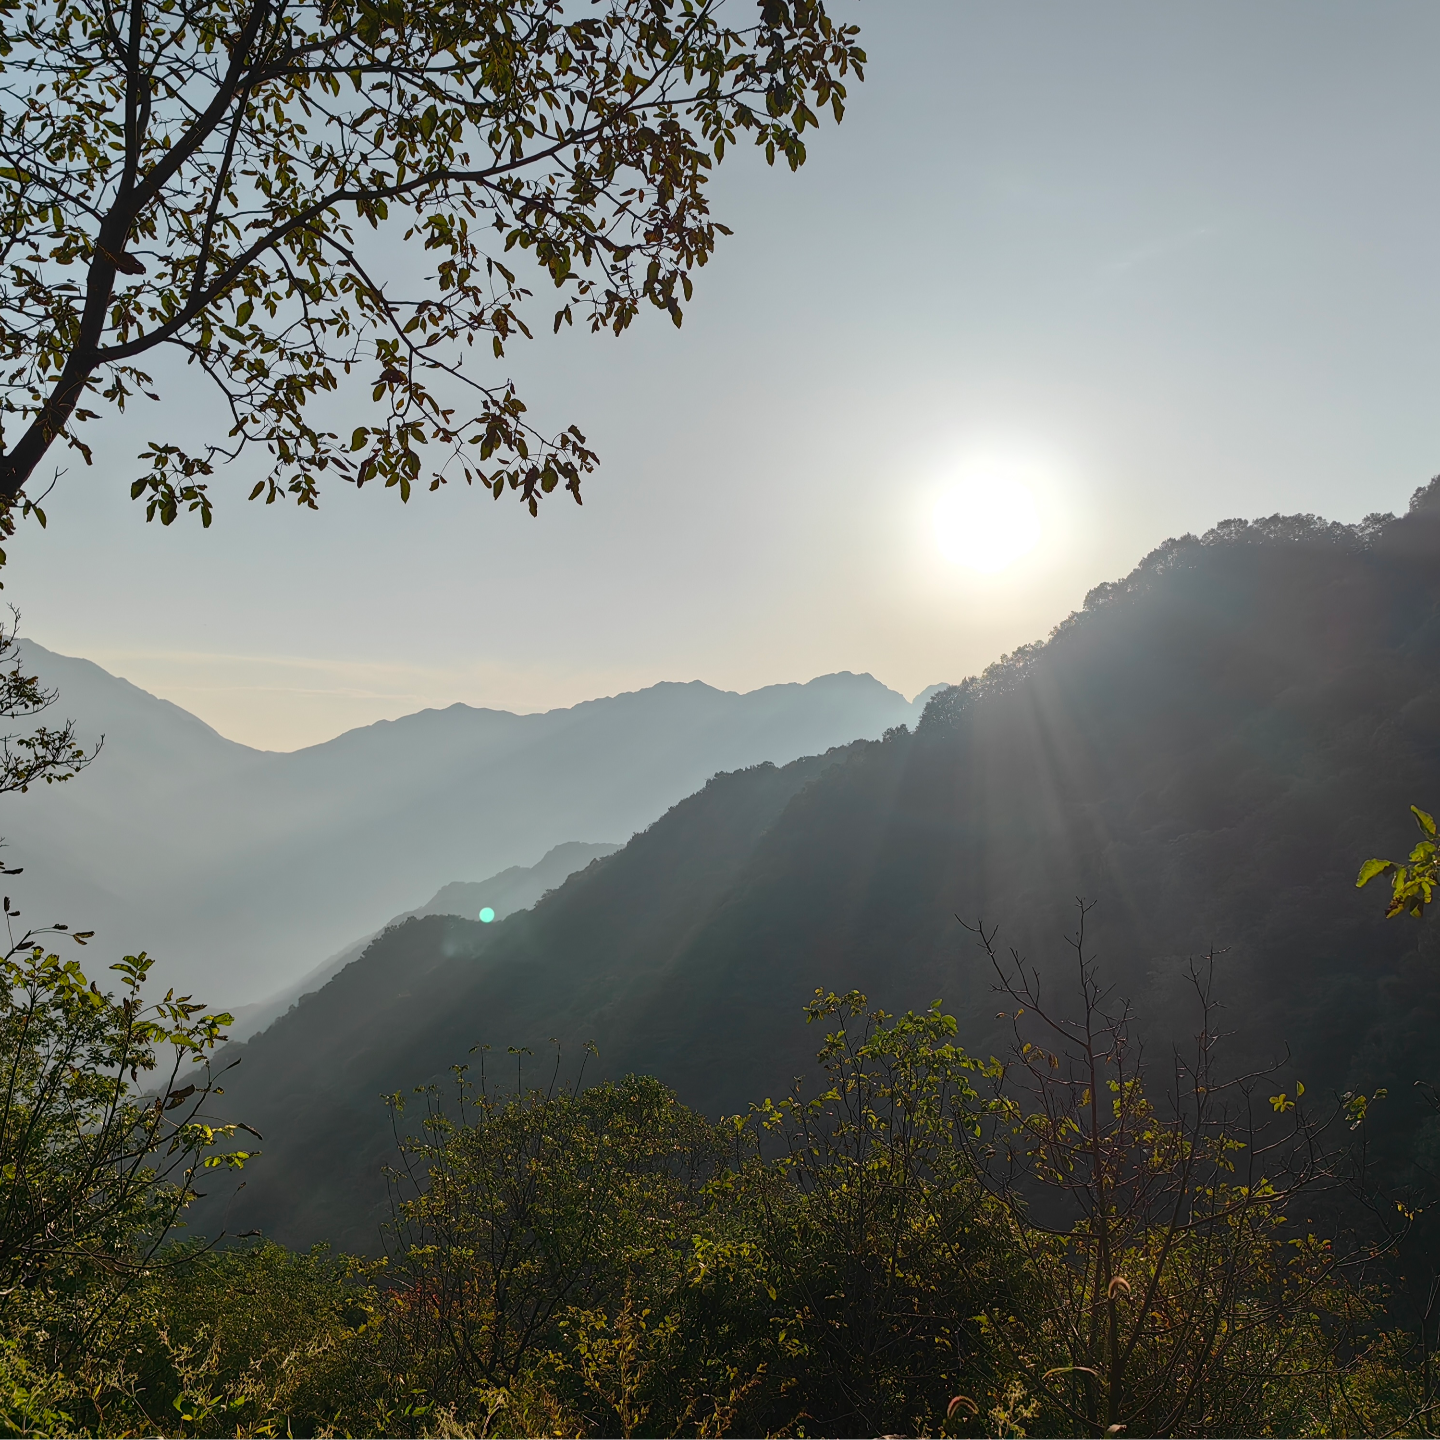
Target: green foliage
(1169, 1292)
(816, 1264)
(104, 1136)
(877, 1241)
(514, 1212)
(1413, 880)
(603, 1261)
(93, 1173)
(31, 1397)
(880, 1257)
(203, 178)
(249, 1341)
(258, 1339)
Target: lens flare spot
(486, 915)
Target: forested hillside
(405, 1012)
(515, 888)
(1206, 752)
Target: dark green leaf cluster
(203, 177)
(605, 1261)
(817, 1264)
(881, 1257)
(527, 1207)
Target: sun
(986, 523)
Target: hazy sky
(1160, 264)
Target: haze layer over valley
(243, 869)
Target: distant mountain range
(237, 868)
(1208, 751)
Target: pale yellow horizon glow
(284, 703)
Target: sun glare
(986, 523)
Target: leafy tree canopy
(204, 177)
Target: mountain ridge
(237, 867)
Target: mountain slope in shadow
(412, 1006)
(516, 888)
(1207, 752)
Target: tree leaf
(1370, 869)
